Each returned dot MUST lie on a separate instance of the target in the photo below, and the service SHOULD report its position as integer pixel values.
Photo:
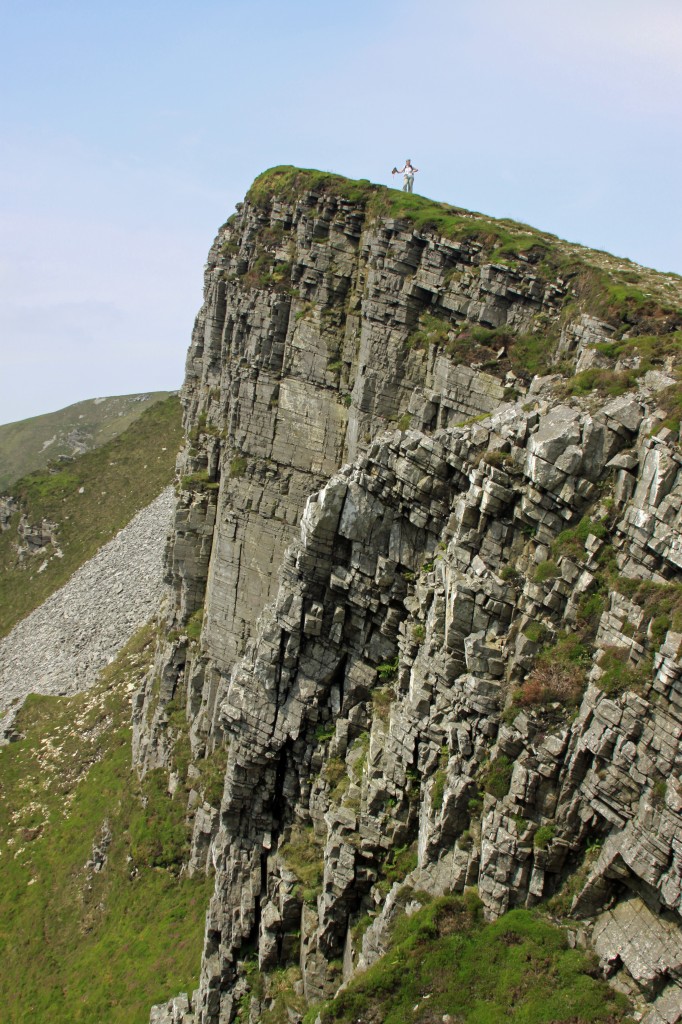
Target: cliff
(427, 602)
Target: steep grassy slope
(444, 964)
(89, 499)
(82, 941)
(28, 445)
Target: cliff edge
(427, 592)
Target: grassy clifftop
(618, 290)
(642, 307)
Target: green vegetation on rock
(445, 960)
(619, 674)
(659, 601)
(572, 542)
(287, 182)
(398, 864)
(496, 776)
(502, 237)
(81, 943)
(559, 673)
(238, 466)
(90, 500)
(638, 302)
(302, 854)
(545, 571)
(543, 837)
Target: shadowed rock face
(371, 633)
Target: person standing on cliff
(408, 172)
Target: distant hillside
(71, 513)
(30, 444)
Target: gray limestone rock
(379, 576)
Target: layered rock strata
(302, 352)
(425, 649)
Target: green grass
(496, 776)
(287, 182)
(535, 631)
(78, 945)
(117, 480)
(194, 624)
(398, 864)
(238, 466)
(619, 675)
(526, 354)
(603, 382)
(384, 696)
(438, 791)
(444, 960)
(670, 400)
(572, 542)
(545, 571)
(433, 330)
(28, 445)
(653, 350)
(302, 854)
(543, 836)
(601, 284)
(531, 353)
(500, 237)
(282, 994)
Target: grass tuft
(302, 854)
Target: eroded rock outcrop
(464, 644)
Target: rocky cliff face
(442, 603)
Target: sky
(130, 131)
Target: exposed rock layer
(375, 703)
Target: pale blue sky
(129, 132)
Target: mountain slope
(29, 445)
(57, 520)
(95, 920)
